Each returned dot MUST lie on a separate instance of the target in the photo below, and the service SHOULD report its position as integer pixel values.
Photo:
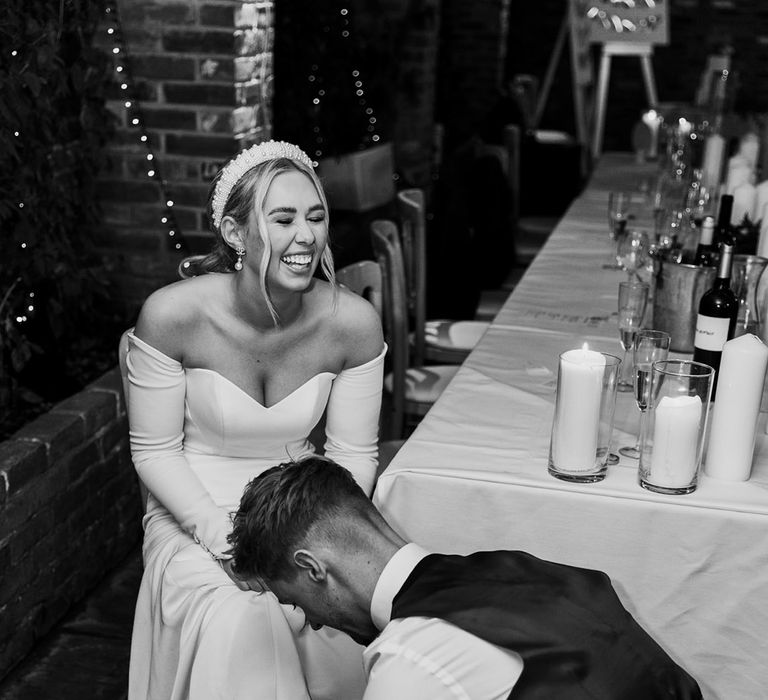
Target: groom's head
(303, 529)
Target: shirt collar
(391, 580)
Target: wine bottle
(716, 320)
(705, 251)
(723, 228)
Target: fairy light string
(135, 120)
(315, 77)
(132, 106)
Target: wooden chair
(530, 232)
(438, 340)
(412, 389)
(363, 278)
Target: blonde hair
(248, 196)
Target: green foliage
(53, 128)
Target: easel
(611, 49)
(581, 74)
(621, 31)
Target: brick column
(418, 38)
(203, 74)
(472, 60)
(254, 39)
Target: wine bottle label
(711, 332)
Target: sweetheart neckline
(253, 399)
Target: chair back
(122, 361)
(386, 247)
(363, 278)
(413, 231)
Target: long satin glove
(352, 420)
(156, 391)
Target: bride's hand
(243, 585)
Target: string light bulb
(359, 92)
(133, 109)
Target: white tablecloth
(693, 569)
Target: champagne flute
(632, 251)
(633, 297)
(650, 346)
(618, 214)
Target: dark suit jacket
(576, 639)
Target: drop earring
(239, 262)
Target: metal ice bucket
(679, 288)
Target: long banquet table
(693, 569)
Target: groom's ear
(313, 567)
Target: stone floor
(86, 656)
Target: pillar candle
(764, 148)
(762, 243)
(749, 147)
(738, 172)
(737, 406)
(577, 410)
(684, 127)
(761, 199)
(652, 120)
(675, 441)
(744, 196)
(714, 151)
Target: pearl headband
(237, 167)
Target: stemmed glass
(650, 346)
(669, 226)
(633, 297)
(698, 200)
(618, 214)
(632, 251)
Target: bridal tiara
(237, 167)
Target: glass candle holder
(673, 442)
(583, 423)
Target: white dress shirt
(423, 658)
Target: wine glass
(650, 346)
(618, 214)
(632, 251)
(633, 297)
(668, 226)
(698, 201)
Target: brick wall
(202, 70)
(69, 511)
(472, 50)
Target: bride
(228, 372)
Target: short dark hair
(281, 505)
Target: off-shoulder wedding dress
(196, 440)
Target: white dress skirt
(196, 441)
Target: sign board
(630, 21)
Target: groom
(488, 625)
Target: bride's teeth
(297, 259)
